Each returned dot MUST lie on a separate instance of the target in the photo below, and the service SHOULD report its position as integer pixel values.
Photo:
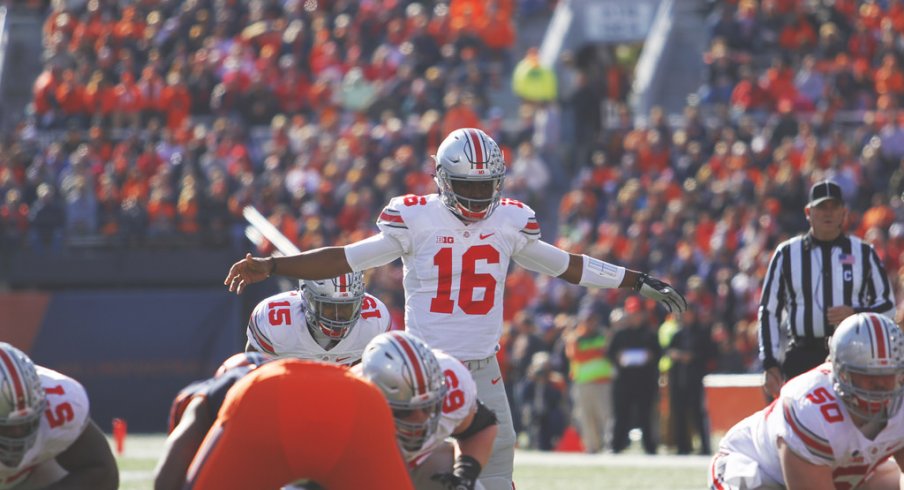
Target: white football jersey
(816, 425)
(454, 273)
(278, 327)
(460, 401)
(62, 423)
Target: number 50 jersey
(815, 424)
(454, 274)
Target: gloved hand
(464, 474)
(451, 482)
(650, 287)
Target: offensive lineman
(444, 405)
(456, 247)
(329, 320)
(836, 426)
(47, 439)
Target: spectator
(635, 352)
(46, 221)
(692, 354)
(591, 374)
(541, 397)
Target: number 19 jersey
(454, 273)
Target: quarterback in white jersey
(46, 435)
(456, 247)
(330, 320)
(835, 426)
(433, 397)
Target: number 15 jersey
(454, 273)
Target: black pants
(804, 356)
(688, 407)
(634, 403)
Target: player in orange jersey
(291, 420)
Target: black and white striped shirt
(796, 297)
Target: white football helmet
(407, 372)
(872, 345)
(333, 305)
(22, 404)
(469, 155)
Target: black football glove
(650, 287)
(463, 477)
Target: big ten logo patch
(446, 240)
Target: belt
(479, 363)
(814, 343)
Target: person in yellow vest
(591, 375)
(532, 81)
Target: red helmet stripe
(881, 339)
(343, 283)
(478, 148)
(415, 362)
(14, 378)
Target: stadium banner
(609, 21)
(133, 350)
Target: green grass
(533, 470)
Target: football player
(838, 425)
(456, 247)
(271, 430)
(329, 320)
(47, 439)
(433, 397)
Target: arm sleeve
(539, 256)
(770, 312)
(375, 251)
(882, 300)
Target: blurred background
(139, 139)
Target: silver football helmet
(407, 372)
(333, 305)
(470, 170)
(868, 345)
(22, 404)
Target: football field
(533, 470)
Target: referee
(814, 282)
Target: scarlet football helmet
(334, 305)
(407, 372)
(469, 156)
(869, 344)
(22, 404)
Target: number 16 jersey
(454, 273)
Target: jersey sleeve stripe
(532, 227)
(261, 339)
(391, 219)
(818, 446)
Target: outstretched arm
(587, 271)
(89, 462)
(321, 263)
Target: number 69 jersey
(460, 401)
(278, 327)
(815, 424)
(454, 274)
(63, 422)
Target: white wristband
(599, 274)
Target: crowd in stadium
(155, 123)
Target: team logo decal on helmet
(334, 305)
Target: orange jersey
(290, 420)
